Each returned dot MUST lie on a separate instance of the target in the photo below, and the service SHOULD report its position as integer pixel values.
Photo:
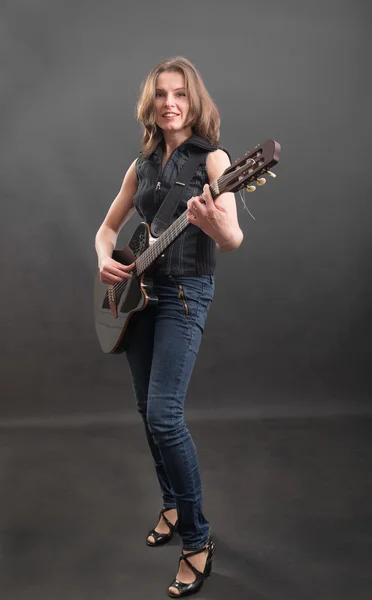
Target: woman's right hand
(111, 271)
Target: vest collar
(199, 142)
(193, 141)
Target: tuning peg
(271, 174)
(251, 188)
(261, 181)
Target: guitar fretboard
(144, 261)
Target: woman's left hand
(216, 218)
(210, 216)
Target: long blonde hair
(203, 117)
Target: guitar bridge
(112, 301)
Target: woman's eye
(161, 94)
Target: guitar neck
(230, 180)
(145, 260)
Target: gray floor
(289, 502)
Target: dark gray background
(290, 327)
(280, 398)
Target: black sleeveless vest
(193, 253)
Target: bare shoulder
(216, 163)
(129, 184)
(122, 207)
(131, 172)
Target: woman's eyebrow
(175, 90)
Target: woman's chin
(173, 127)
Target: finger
(111, 281)
(190, 208)
(197, 201)
(207, 195)
(113, 270)
(197, 207)
(116, 278)
(131, 266)
(124, 267)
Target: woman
(178, 115)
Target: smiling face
(171, 102)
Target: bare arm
(118, 214)
(217, 219)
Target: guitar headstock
(255, 163)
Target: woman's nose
(169, 101)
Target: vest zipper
(181, 295)
(157, 191)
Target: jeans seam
(189, 492)
(199, 546)
(195, 324)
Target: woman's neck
(173, 139)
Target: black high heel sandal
(186, 589)
(162, 538)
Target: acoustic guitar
(116, 305)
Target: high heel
(162, 538)
(186, 589)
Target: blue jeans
(163, 347)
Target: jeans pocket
(182, 297)
(195, 295)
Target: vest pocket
(181, 295)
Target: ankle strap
(207, 546)
(163, 510)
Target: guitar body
(116, 306)
(131, 296)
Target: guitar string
(150, 252)
(176, 228)
(119, 287)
